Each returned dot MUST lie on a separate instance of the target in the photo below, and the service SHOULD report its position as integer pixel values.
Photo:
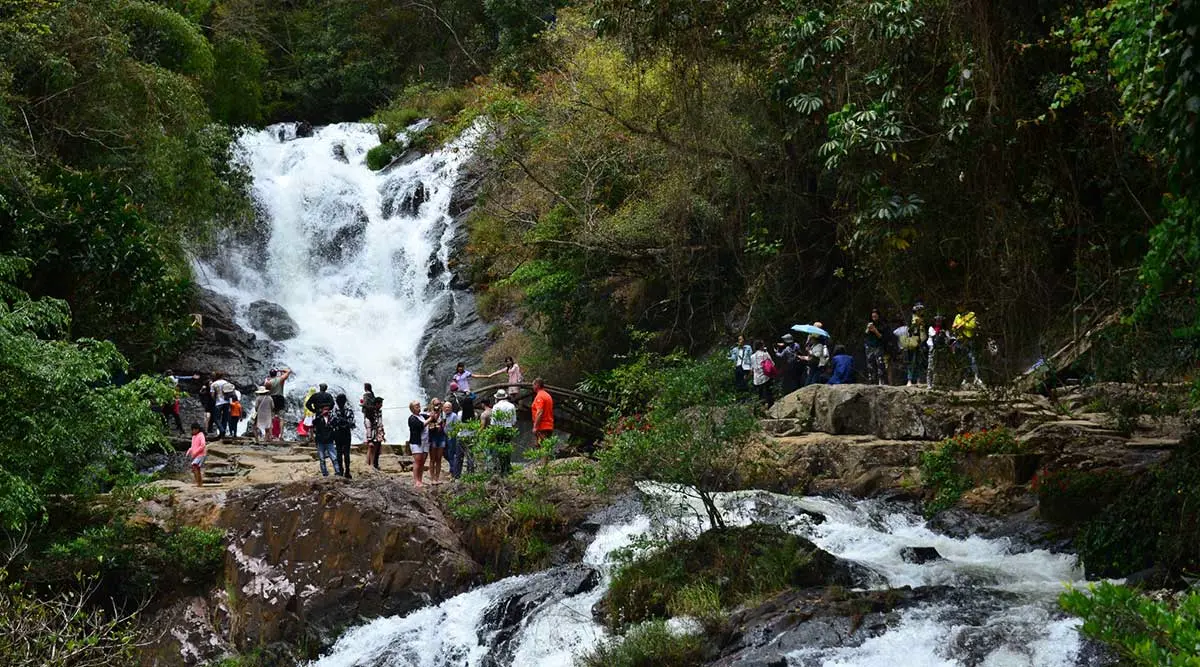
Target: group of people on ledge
(921, 347)
(434, 434)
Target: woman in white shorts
(418, 441)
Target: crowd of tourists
(921, 349)
(438, 430)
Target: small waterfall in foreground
(997, 608)
(356, 257)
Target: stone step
(1152, 443)
(294, 458)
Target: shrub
(62, 628)
(652, 644)
(940, 465)
(1155, 521)
(383, 154)
(718, 570)
(1145, 631)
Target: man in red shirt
(543, 411)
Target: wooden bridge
(576, 413)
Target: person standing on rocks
(323, 434)
(914, 345)
(463, 377)
(367, 402)
(235, 413)
(513, 370)
(817, 356)
(375, 434)
(210, 408)
(543, 412)
(418, 441)
(274, 385)
(436, 429)
(264, 413)
(876, 353)
(938, 343)
(762, 366)
(321, 399)
(197, 453)
(504, 414)
(343, 424)
(742, 365)
(222, 393)
(462, 402)
(454, 447)
(965, 323)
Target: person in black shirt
(343, 424)
(321, 399)
(323, 435)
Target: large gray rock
(273, 320)
(220, 344)
(901, 413)
(309, 558)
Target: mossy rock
(716, 572)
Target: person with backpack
(343, 424)
(221, 391)
(322, 430)
(915, 343)
(965, 323)
(764, 371)
(375, 434)
(462, 402)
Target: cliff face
(306, 559)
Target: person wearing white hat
(264, 413)
(504, 413)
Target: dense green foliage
(67, 429)
(61, 630)
(1153, 522)
(648, 645)
(682, 427)
(789, 161)
(1147, 632)
(708, 575)
(110, 163)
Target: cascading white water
(1024, 628)
(346, 251)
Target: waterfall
(995, 604)
(356, 257)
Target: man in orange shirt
(543, 411)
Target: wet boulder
(220, 344)
(920, 555)
(273, 320)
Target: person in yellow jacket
(965, 323)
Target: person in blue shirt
(843, 366)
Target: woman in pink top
(514, 376)
(197, 453)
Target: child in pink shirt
(197, 453)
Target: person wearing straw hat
(504, 413)
(264, 413)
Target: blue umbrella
(810, 329)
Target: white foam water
(343, 254)
(1022, 627)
